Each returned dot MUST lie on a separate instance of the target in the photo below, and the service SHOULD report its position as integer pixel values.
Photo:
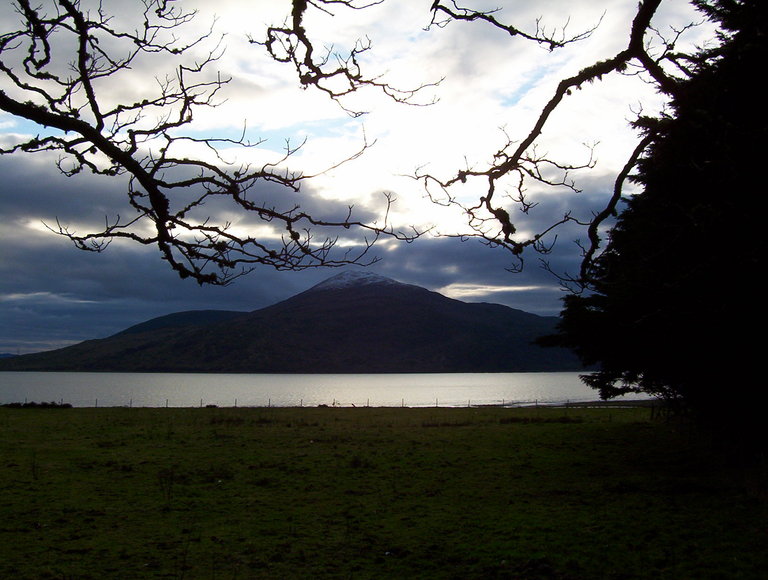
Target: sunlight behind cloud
(42, 298)
(462, 291)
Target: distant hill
(351, 323)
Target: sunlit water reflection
(226, 390)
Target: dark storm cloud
(32, 188)
(52, 294)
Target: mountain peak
(352, 279)
(354, 322)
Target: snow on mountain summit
(353, 278)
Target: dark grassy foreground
(371, 493)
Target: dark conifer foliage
(672, 293)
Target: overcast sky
(493, 86)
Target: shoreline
(596, 404)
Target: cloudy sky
(492, 89)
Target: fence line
(336, 403)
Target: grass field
(371, 493)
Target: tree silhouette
(675, 301)
(54, 68)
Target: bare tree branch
(506, 179)
(58, 88)
(519, 161)
(335, 74)
(551, 39)
(610, 209)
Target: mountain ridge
(349, 323)
(183, 319)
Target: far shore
(596, 404)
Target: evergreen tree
(675, 309)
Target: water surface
(186, 390)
